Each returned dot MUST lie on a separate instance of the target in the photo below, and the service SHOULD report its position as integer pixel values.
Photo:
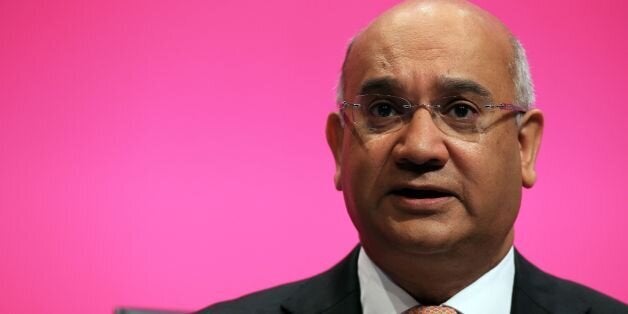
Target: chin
(420, 239)
(424, 246)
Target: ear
(334, 133)
(530, 133)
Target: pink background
(171, 154)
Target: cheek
(507, 160)
(362, 167)
(491, 173)
(498, 157)
(362, 162)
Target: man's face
(417, 189)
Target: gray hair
(519, 68)
(521, 77)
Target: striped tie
(431, 310)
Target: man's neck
(434, 278)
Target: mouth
(420, 193)
(421, 200)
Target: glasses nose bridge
(417, 122)
(415, 108)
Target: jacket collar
(538, 292)
(338, 291)
(335, 291)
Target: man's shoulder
(600, 303)
(538, 289)
(569, 291)
(264, 301)
(335, 286)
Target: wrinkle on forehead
(426, 31)
(424, 20)
(404, 15)
(433, 8)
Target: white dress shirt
(489, 294)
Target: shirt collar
(489, 294)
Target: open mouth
(421, 194)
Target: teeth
(420, 193)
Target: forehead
(420, 46)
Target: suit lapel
(537, 292)
(335, 291)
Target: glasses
(455, 116)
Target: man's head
(420, 189)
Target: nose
(421, 143)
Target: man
(434, 139)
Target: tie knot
(442, 309)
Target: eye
(383, 108)
(461, 110)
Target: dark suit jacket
(337, 291)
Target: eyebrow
(458, 85)
(381, 85)
(389, 85)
